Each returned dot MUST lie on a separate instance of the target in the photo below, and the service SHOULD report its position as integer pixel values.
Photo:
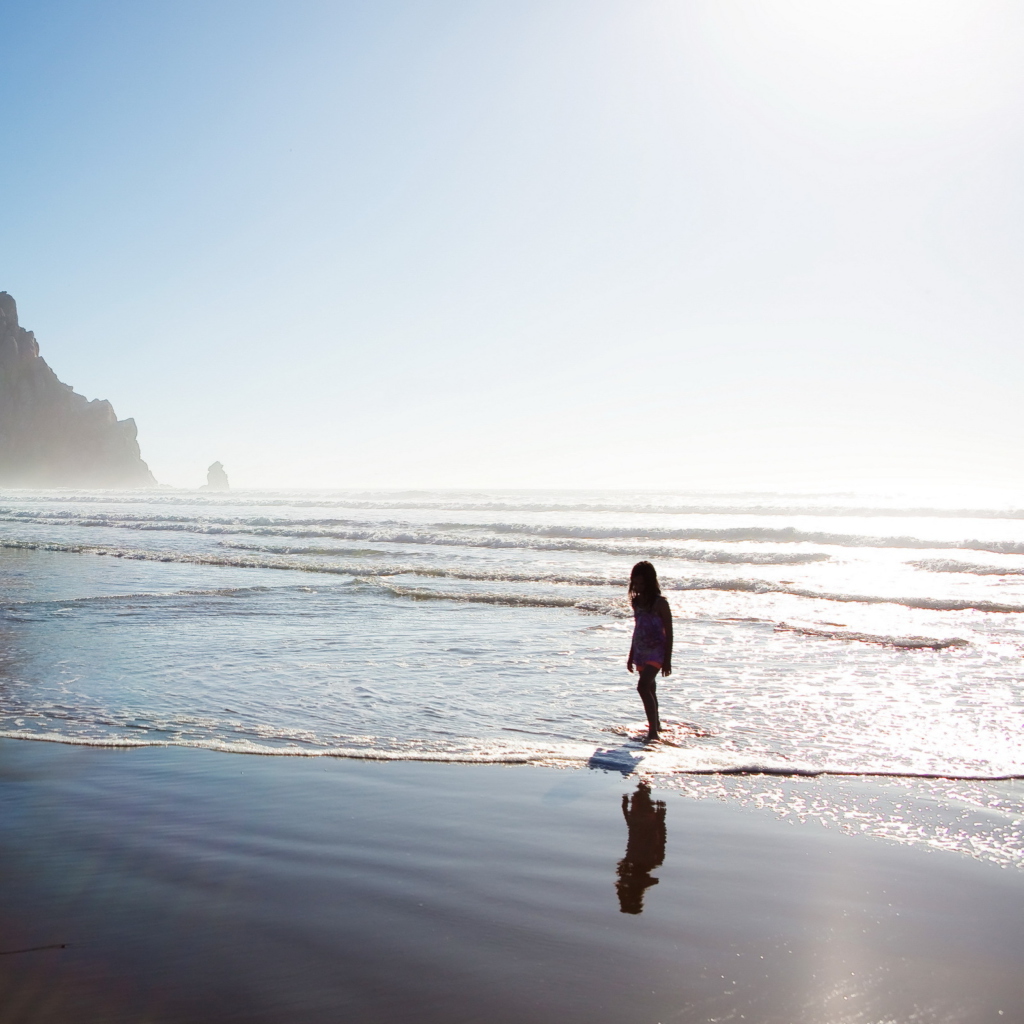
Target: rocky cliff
(49, 435)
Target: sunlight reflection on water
(495, 629)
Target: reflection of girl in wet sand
(645, 848)
(651, 650)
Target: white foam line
(427, 534)
(849, 772)
(264, 751)
(540, 758)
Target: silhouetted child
(652, 639)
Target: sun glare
(871, 58)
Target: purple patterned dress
(648, 638)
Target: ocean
(816, 635)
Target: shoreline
(602, 759)
(183, 885)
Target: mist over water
(813, 635)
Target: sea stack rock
(216, 478)
(49, 435)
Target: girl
(652, 639)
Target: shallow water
(857, 634)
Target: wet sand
(194, 886)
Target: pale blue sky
(560, 243)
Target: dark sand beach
(189, 885)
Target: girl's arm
(666, 619)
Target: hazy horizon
(658, 246)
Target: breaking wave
(522, 535)
(511, 576)
(941, 604)
(617, 608)
(758, 534)
(831, 505)
(645, 550)
(950, 565)
(613, 607)
(914, 643)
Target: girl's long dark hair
(643, 586)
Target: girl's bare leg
(647, 687)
